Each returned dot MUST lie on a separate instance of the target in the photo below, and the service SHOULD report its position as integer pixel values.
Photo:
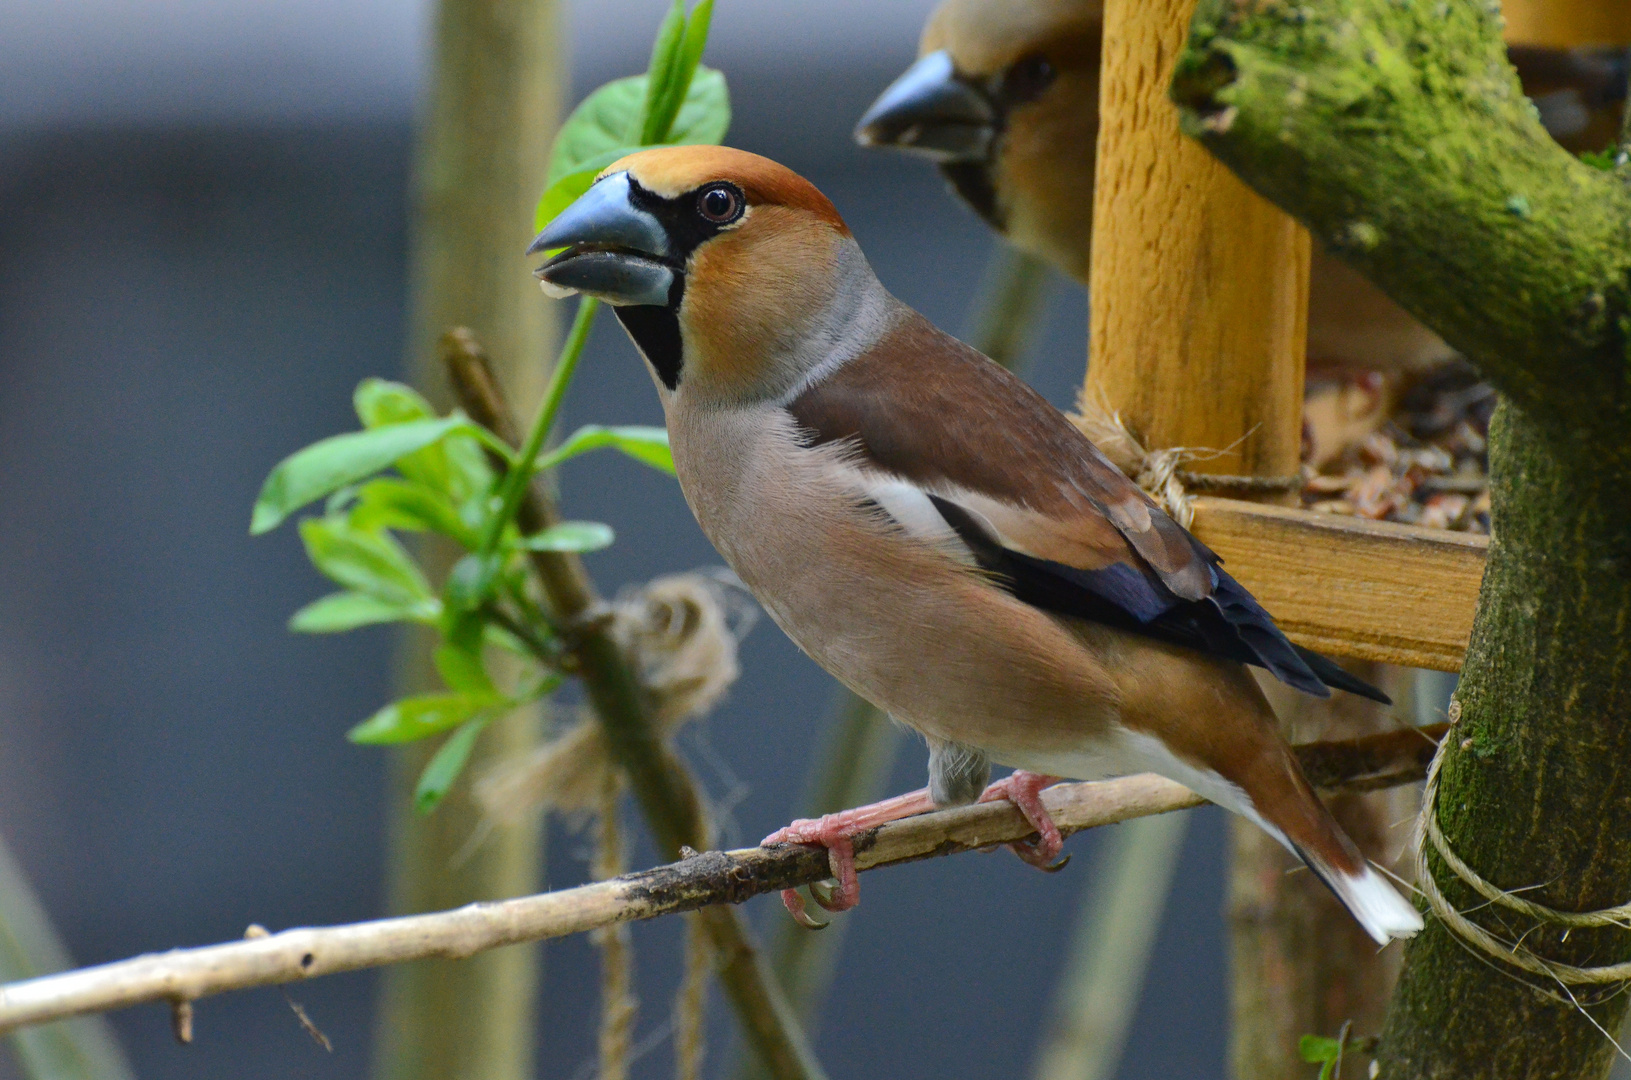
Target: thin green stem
(515, 482)
(522, 632)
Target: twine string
(1514, 953)
(1160, 472)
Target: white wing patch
(910, 508)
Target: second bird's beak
(931, 111)
(615, 251)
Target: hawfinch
(1004, 98)
(928, 528)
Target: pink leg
(836, 833)
(1024, 790)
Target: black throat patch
(972, 181)
(656, 333)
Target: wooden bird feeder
(1198, 296)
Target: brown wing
(928, 408)
(1037, 504)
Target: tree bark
(1398, 133)
(497, 81)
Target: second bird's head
(1004, 99)
(733, 275)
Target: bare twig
(699, 882)
(665, 792)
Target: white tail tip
(1373, 900)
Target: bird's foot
(839, 841)
(1024, 790)
(836, 833)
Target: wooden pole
(1199, 292)
(1199, 288)
(498, 75)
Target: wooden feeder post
(1198, 330)
(1198, 287)
(1567, 24)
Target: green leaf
(411, 505)
(420, 717)
(579, 536)
(1317, 1049)
(380, 402)
(1321, 1051)
(445, 767)
(367, 562)
(696, 38)
(644, 444)
(500, 638)
(342, 611)
(463, 671)
(662, 73)
(327, 466)
(597, 128)
(661, 114)
(471, 583)
(566, 190)
(469, 473)
(597, 132)
(705, 115)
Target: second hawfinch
(1004, 98)
(929, 529)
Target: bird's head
(1004, 98)
(733, 274)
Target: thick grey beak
(614, 249)
(932, 112)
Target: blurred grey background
(202, 241)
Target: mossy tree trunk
(1397, 132)
(498, 76)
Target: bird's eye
(1027, 79)
(720, 204)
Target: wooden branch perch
(696, 882)
(661, 786)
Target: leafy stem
(515, 481)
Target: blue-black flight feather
(1229, 623)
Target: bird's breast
(913, 630)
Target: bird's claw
(794, 903)
(1024, 790)
(1031, 854)
(830, 833)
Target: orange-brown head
(733, 274)
(1004, 98)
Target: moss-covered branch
(1397, 132)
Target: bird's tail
(1368, 896)
(1285, 805)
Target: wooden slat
(1349, 587)
(1565, 24)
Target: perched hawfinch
(1005, 99)
(928, 528)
